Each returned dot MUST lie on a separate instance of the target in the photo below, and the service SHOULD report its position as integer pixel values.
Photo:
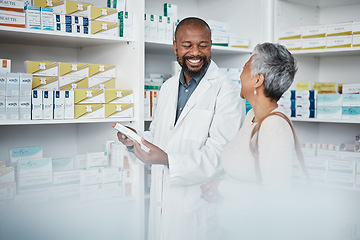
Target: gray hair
(277, 65)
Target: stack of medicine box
(339, 35)
(47, 101)
(15, 95)
(351, 101)
(305, 103)
(78, 11)
(159, 28)
(287, 102)
(5, 67)
(329, 106)
(12, 13)
(71, 24)
(103, 21)
(151, 93)
(219, 33)
(39, 18)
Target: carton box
(12, 19)
(42, 68)
(89, 111)
(119, 110)
(103, 14)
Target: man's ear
(175, 47)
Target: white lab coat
(211, 118)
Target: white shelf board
(148, 119)
(325, 3)
(26, 36)
(166, 48)
(325, 120)
(328, 52)
(71, 121)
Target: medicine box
(238, 42)
(313, 43)
(153, 26)
(64, 19)
(91, 192)
(102, 70)
(2, 84)
(33, 17)
(169, 36)
(69, 83)
(39, 68)
(351, 88)
(112, 175)
(147, 26)
(291, 45)
(12, 108)
(63, 164)
(48, 104)
(119, 96)
(318, 31)
(81, 29)
(338, 42)
(25, 107)
(306, 95)
(350, 112)
(34, 173)
(12, 84)
(329, 99)
(126, 25)
(119, 110)
(2, 108)
(341, 179)
(88, 96)
(161, 29)
(45, 83)
(12, 19)
(65, 7)
(67, 69)
(171, 10)
(356, 28)
(356, 41)
(66, 178)
(218, 40)
(25, 84)
(329, 112)
(103, 14)
(36, 105)
(96, 160)
(104, 28)
(25, 153)
(101, 82)
(80, 161)
(351, 100)
(7, 174)
(47, 19)
(339, 29)
(289, 33)
(12, 5)
(69, 105)
(5, 65)
(119, 5)
(68, 28)
(89, 111)
(305, 113)
(92, 176)
(59, 105)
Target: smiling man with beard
(198, 112)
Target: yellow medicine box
(119, 110)
(119, 96)
(87, 96)
(102, 82)
(68, 83)
(42, 68)
(104, 28)
(67, 69)
(102, 70)
(65, 7)
(103, 14)
(89, 111)
(45, 83)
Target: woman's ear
(259, 80)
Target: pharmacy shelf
(325, 3)
(72, 121)
(166, 48)
(148, 119)
(26, 36)
(316, 120)
(328, 52)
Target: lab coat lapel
(204, 85)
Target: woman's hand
(210, 191)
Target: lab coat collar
(203, 86)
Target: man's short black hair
(192, 21)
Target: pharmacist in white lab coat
(198, 112)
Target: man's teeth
(194, 60)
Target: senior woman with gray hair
(265, 77)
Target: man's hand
(210, 191)
(154, 156)
(124, 139)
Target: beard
(189, 72)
